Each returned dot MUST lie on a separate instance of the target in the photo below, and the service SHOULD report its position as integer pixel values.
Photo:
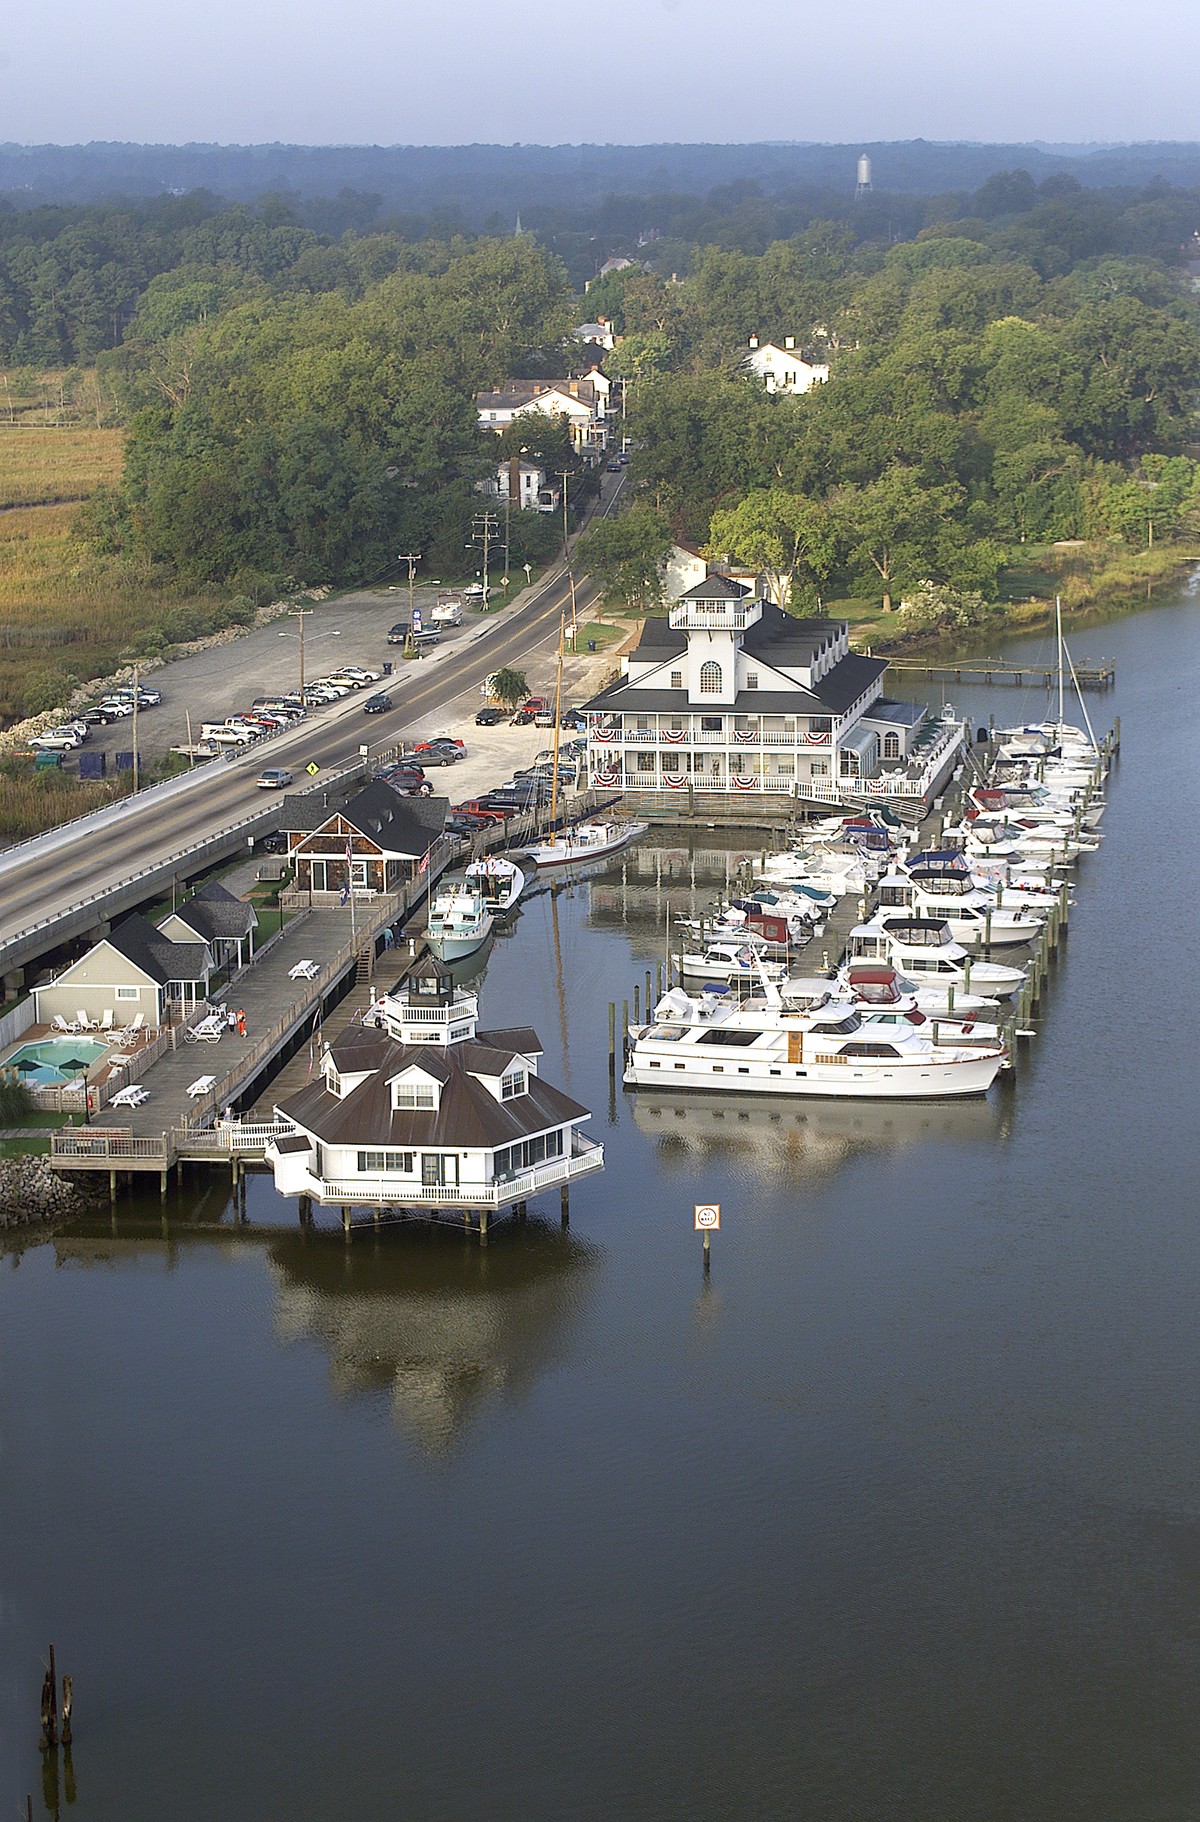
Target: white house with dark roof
(783, 369)
(582, 402)
(729, 693)
(425, 1110)
(215, 916)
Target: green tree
(509, 686)
(785, 537)
(625, 557)
(892, 526)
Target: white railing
(669, 738)
(711, 619)
(382, 1191)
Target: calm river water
(896, 1517)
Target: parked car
(544, 718)
(275, 778)
(117, 707)
(613, 467)
(409, 785)
(276, 843)
(98, 716)
(146, 699)
(398, 633)
(57, 740)
(359, 674)
(466, 822)
(535, 704)
(489, 717)
(475, 806)
(436, 755)
(378, 704)
(340, 686)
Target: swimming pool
(54, 1061)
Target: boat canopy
(939, 860)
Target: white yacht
(499, 881)
(923, 948)
(762, 1045)
(972, 916)
(584, 841)
(733, 958)
(460, 921)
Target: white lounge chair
(85, 1023)
(138, 1022)
(106, 1023)
(59, 1023)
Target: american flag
(423, 863)
(349, 864)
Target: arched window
(891, 746)
(710, 679)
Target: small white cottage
(423, 1109)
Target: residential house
(728, 693)
(783, 369)
(382, 835)
(135, 969)
(601, 332)
(684, 567)
(426, 1110)
(582, 402)
(527, 485)
(215, 916)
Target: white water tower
(862, 185)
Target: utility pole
(136, 690)
(301, 614)
(412, 559)
(484, 527)
(564, 475)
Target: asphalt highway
(43, 879)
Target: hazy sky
(450, 71)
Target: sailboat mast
(1058, 624)
(562, 625)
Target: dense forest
(1012, 364)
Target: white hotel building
(728, 693)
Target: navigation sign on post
(708, 1217)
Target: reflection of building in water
(639, 884)
(772, 1139)
(447, 1329)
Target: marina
(938, 1382)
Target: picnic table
(133, 1096)
(208, 1031)
(204, 1084)
(304, 971)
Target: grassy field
(66, 613)
(42, 466)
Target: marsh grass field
(68, 613)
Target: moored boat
(584, 841)
(459, 921)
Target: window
(376, 1163)
(891, 746)
(512, 1085)
(752, 680)
(820, 724)
(512, 1159)
(676, 680)
(414, 1094)
(820, 769)
(128, 993)
(710, 679)
(711, 724)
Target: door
(795, 1046)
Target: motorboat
(878, 984)
(923, 948)
(972, 916)
(587, 840)
(733, 958)
(947, 875)
(762, 1045)
(460, 920)
(499, 881)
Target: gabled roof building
(728, 693)
(378, 836)
(424, 1110)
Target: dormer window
(413, 1094)
(333, 1080)
(512, 1084)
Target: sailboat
(596, 835)
(1045, 739)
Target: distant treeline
(481, 180)
(74, 276)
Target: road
(41, 880)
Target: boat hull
(563, 852)
(822, 1081)
(457, 946)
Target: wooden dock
(1100, 676)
